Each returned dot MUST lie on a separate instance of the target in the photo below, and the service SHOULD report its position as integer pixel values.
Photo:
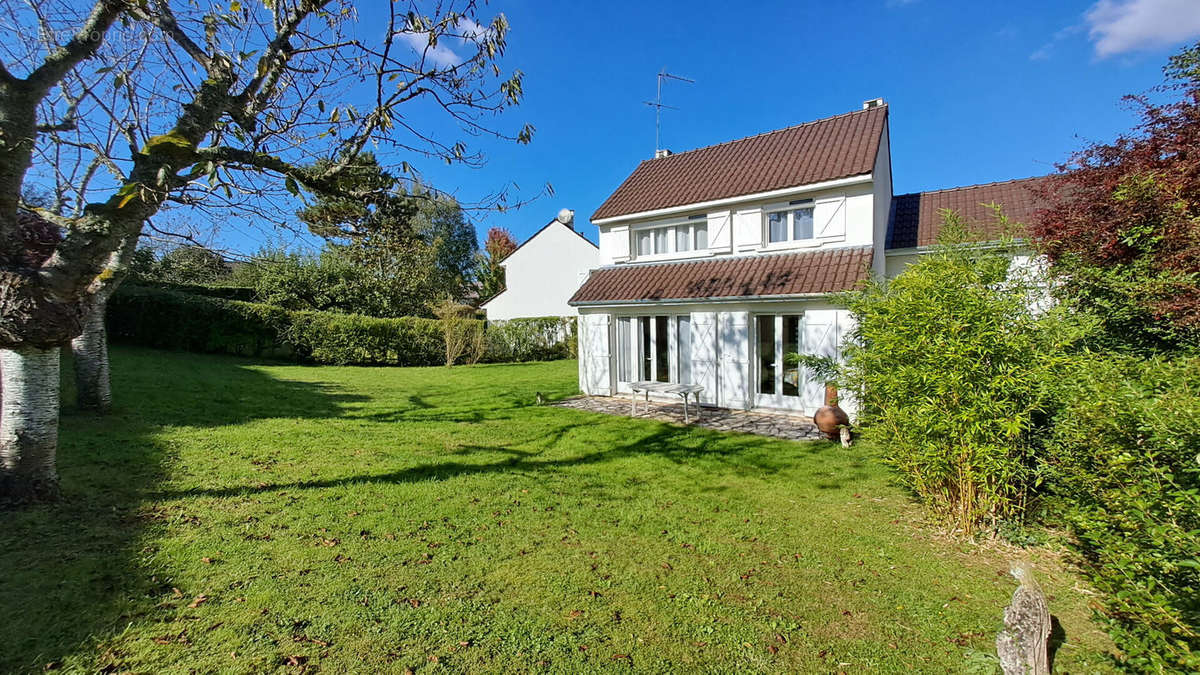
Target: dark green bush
(1124, 454)
(536, 339)
(227, 292)
(343, 339)
(168, 319)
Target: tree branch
(82, 45)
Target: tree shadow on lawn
(75, 571)
(607, 439)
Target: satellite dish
(566, 216)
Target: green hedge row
(170, 319)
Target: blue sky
(979, 91)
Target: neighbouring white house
(542, 273)
(716, 263)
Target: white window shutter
(820, 339)
(747, 229)
(829, 216)
(704, 354)
(734, 372)
(596, 375)
(720, 231)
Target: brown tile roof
(810, 272)
(916, 218)
(835, 147)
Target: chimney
(872, 103)
(566, 217)
(659, 154)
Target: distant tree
(498, 246)
(411, 238)
(192, 265)
(1123, 223)
(443, 225)
(143, 265)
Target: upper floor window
(681, 237)
(793, 222)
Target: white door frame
(777, 400)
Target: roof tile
(916, 219)
(809, 272)
(828, 149)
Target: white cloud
(444, 55)
(1120, 26)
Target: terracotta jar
(830, 419)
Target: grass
(233, 516)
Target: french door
(654, 348)
(776, 383)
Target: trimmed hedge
(166, 319)
(1124, 452)
(535, 339)
(226, 292)
(169, 319)
(345, 339)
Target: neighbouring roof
(543, 229)
(531, 238)
(807, 273)
(828, 149)
(916, 219)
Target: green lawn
(240, 517)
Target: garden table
(681, 390)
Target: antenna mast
(658, 106)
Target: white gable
(543, 274)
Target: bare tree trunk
(28, 424)
(93, 390)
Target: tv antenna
(658, 106)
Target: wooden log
(1023, 645)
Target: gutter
(980, 245)
(700, 301)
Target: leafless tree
(128, 107)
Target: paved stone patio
(791, 427)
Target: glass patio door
(777, 384)
(653, 348)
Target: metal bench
(681, 390)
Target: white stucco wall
(723, 348)
(543, 274)
(882, 184)
(846, 213)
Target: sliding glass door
(654, 348)
(777, 384)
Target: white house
(718, 262)
(543, 272)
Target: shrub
(461, 334)
(947, 360)
(166, 319)
(535, 339)
(352, 339)
(1124, 455)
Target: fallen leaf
(198, 600)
